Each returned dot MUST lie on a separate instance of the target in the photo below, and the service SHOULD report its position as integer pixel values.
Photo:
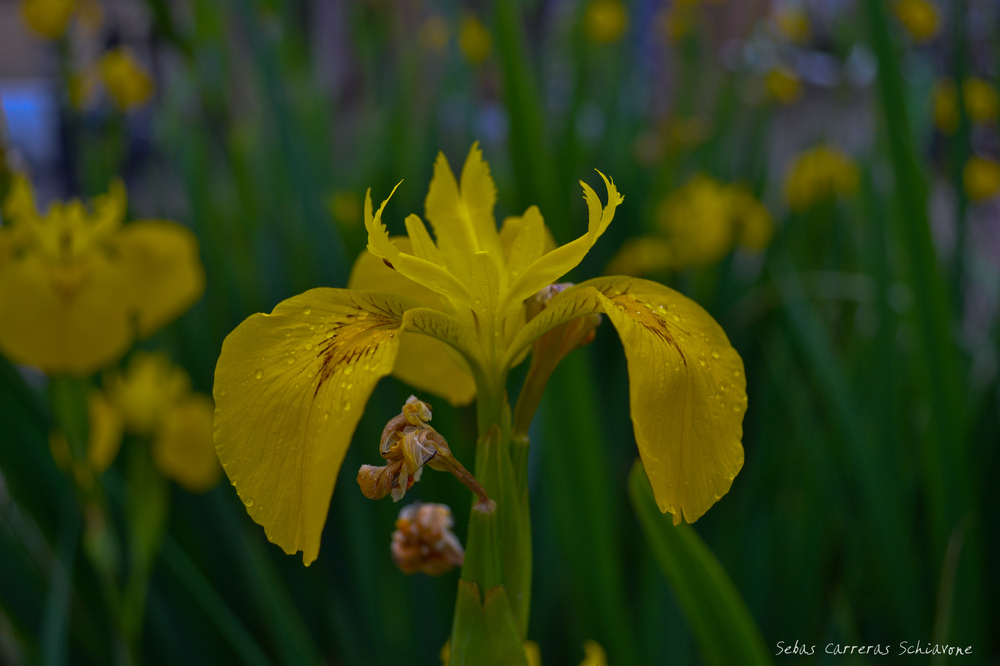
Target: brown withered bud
(423, 540)
(408, 443)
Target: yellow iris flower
(698, 224)
(920, 18)
(817, 175)
(77, 287)
(128, 83)
(151, 398)
(449, 317)
(48, 18)
(605, 21)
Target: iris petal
(290, 388)
(686, 385)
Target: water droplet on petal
(676, 318)
(248, 501)
(329, 334)
(258, 374)
(307, 311)
(309, 346)
(715, 353)
(291, 359)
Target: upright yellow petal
(463, 218)
(163, 271)
(183, 450)
(290, 388)
(527, 241)
(686, 385)
(555, 264)
(421, 271)
(424, 363)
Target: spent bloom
(448, 315)
(817, 175)
(77, 286)
(697, 225)
(423, 540)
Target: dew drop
(329, 334)
(349, 386)
(392, 335)
(347, 405)
(258, 374)
(702, 361)
(676, 318)
(309, 346)
(349, 369)
(222, 392)
(248, 501)
(715, 353)
(307, 311)
(310, 374)
(291, 359)
(362, 315)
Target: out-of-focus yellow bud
(126, 81)
(678, 20)
(754, 224)
(593, 654)
(793, 24)
(981, 177)
(149, 387)
(697, 223)
(345, 206)
(981, 101)
(944, 97)
(47, 18)
(434, 34)
(605, 21)
(783, 84)
(920, 18)
(819, 174)
(474, 40)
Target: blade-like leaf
(718, 616)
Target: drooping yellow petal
(463, 218)
(183, 449)
(422, 271)
(290, 388)
(106, 430)
(423, 362)
(163, 271)
(562, 260)
(686, 385)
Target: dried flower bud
(423, 540)
(408, 444)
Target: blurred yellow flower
(944, 97)
(783, 84)
(699, 224)
(345, 206)
(474, 40)
(434, 34)
(605, 21)
(77, 287)
(450, 317)
(793, 24)
(981, 177)
(127, 82)
(817, 175)
(982, 102)
(593, 654)
(920, 18)
(48, 18)
(677, 20)
(153, 398)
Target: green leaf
(717, 614)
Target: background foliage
(864, 513)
